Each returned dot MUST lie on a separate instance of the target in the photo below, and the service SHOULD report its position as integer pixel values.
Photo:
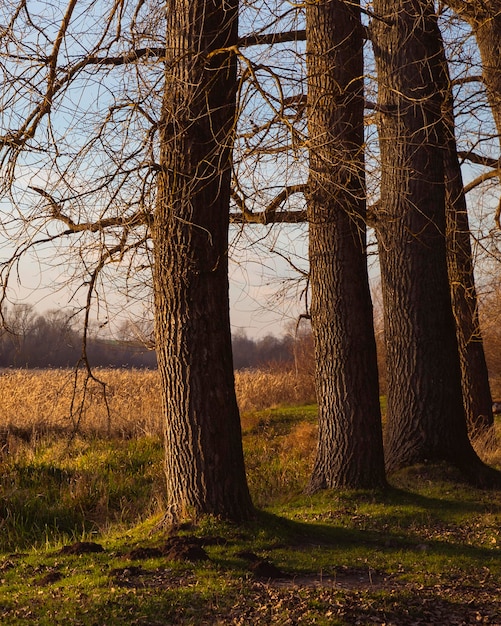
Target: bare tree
(147, 178)
(484, 17)
(204, 459)
(477, 398)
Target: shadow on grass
(271, 532)
(223, 590)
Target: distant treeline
(255, 353)
(54, 339)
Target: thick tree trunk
(426, 418)
(204, 459)
(488, 36)
(485, 21)
(350, 451)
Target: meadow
(81, 502)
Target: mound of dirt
(143, 553)
(81, 547)
(184, 549)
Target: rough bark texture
(350, 451)
(477, 398)
(488, 35)
(426, 418)
(204, 460)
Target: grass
(425, 551)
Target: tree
(485, 21)
(144, 181)
(425, 418)
(350, 448)
(477, 398)
(204, 458)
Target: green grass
(427, 550)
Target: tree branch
(270, 215)
(136, 219)
(481, 179)
(271, 38)
(464, 80)
(479, 159)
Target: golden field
(126, 403)
(123, 403)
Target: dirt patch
(134, 577)
(49, 579)
(184, 549)
(261, 568)
(176, 548)
(141, 554)
(348, 578)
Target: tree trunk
(477, 398)
(486, 25)
(488, 36)
(204, 459)
(350, 451)
(426, 418)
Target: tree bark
(477, 398)
(485, 21)
(350, 450)
(425, 418)
(204, 459)
(488, 36)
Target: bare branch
(271, 39)
(136, 219)
(270, 215)
(479, 159)
(464, 80)
(481, 179)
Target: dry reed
(263, 389)
(35, 403)
(38, 402)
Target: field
(81, 499)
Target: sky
(265, 293)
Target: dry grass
(263, 389)
(35, 402)
(489, 448)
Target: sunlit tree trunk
(204, 460)
(486, 24)
(426, 418)
(350, 452)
